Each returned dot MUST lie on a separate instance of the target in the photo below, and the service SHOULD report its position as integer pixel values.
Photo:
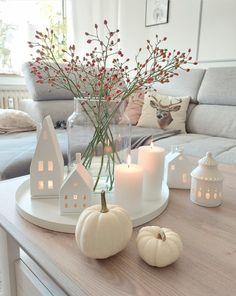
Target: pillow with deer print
(164, 112)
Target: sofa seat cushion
(228, 156)
(197, 145)
(17, 151)
(213, 120)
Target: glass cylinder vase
(99, 130)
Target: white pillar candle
(151, 160)
(128, 187)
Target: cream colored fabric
(173, 117)
(12, 121)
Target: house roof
(79, 172)
(172, 156)
(51, 143)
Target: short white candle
(128, 187)
(151, 159)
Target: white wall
(133, 33)
(181, 30)
(217, 31)
(205, 26)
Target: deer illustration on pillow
(163, 112)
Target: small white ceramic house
(207, 183)
(177, 169)
(76, 191)
(47, 165)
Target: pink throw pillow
(134, 107)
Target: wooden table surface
(206, 267)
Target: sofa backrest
(53, 101)
(43, 92)
(218, 87)
(46, 92)
(186, 84)
(215, 115)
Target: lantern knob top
(207, 170)
(208, 160)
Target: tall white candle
(128, 187)
(151, 160)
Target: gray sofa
(211, 120)
(210, 125)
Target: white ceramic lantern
(177, 169)
(207, 183)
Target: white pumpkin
(103, 230)
(158, 246)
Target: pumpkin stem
(104, 208)
(161, 235)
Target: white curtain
(84, 14)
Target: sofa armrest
(58, 109)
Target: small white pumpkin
(158, 246)
(103, 230)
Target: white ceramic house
(207, 183)
(76, 190)
(178, 169)
(47, 165)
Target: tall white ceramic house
(47, 166)
(76, 190)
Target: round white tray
(45, 212)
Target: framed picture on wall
(156, 12)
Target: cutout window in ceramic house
(50, 165)
(40, 166)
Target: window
(50, 165)
(184, 178)
(40, 165)
(50, 184)
(40, 185)
(19, 19)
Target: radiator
(9, 98)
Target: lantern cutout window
(177, 169)
(47, 165)
(76, 191)
(50, 184)
(40, 185)
(207, 183)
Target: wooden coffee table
(206, 267)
